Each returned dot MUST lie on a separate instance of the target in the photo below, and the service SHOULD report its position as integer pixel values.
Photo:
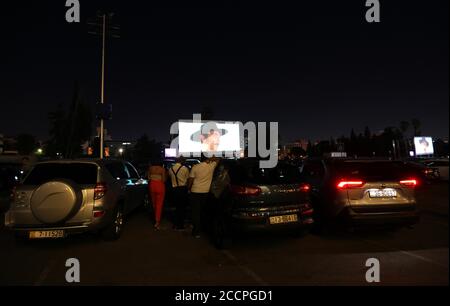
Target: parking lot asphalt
(143, 256)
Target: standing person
(157, 177)
(199, 184)
(179, 175)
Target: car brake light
(246, 190)
(409, 183)
(99, 213)
(349, 184)
(100, 191)
(305, 187)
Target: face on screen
(423, 145)
(200, 137)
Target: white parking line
(252, 274)
(425, 259)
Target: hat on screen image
(206, 130)
(424, 142)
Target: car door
(138, 186)
(120, 173)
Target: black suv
(245, 197)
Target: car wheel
(114, 230)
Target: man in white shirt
(179, 175)
(199, 184)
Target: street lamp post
(103, 21)
(102, 98)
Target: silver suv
(63, 197)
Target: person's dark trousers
(181, 201)
(198, 202)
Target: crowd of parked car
(58, 198)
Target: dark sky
(318, 68)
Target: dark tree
(145, 151)
(309, 148)
(79, 124)
(68, 130)
(417, 125)
(367, 133)
(26, 144)
(58, 128)
(404, 127)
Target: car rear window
(117, 170)
(80, 173)
(251, 173)
(373, 170)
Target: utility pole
(102, 26)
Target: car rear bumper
(88, 225)
(72, 230)
(25, 230)
(401, 216)
(249, 221)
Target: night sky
(318, 68)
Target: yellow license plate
(283, 219)
(46, 234)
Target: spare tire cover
(56, 201)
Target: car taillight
(99, 213)
(305, 187)
(428, 171)
(343, 184)
(409, 182)
(246, 190)
(100, 191)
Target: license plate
(46, 234)
(283, 219)
(383, 193)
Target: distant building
(289, 148)
(8, 145)
(113, 148)
(301, 143)
(119, 148)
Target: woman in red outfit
(157, 176)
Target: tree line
(393, 141)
